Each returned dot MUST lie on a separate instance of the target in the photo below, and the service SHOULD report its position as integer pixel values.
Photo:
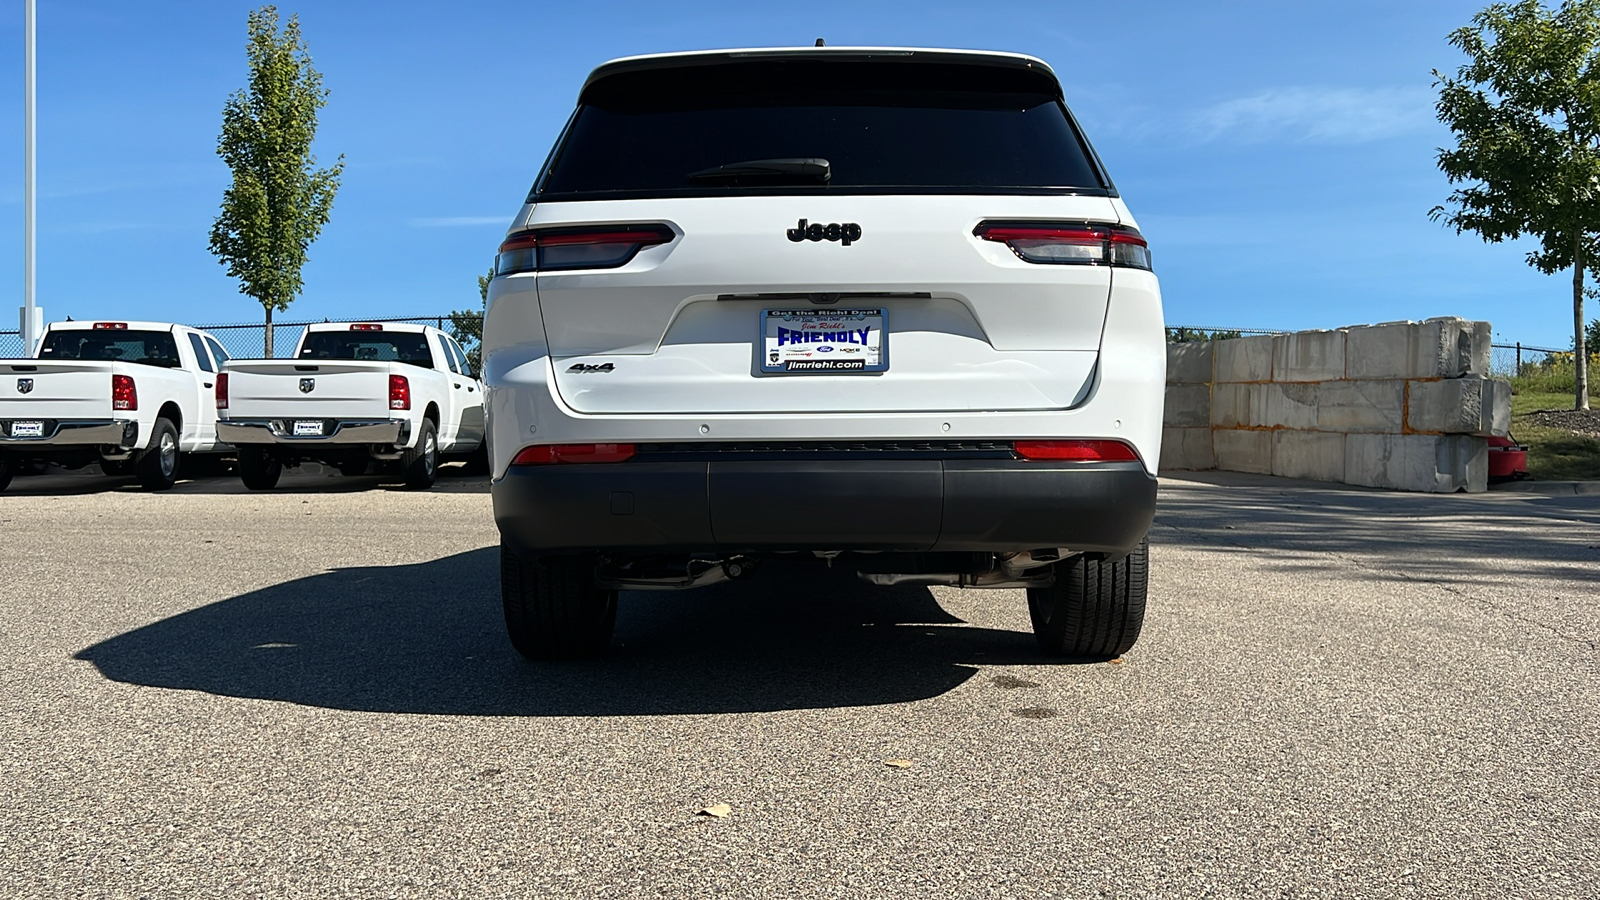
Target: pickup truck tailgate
(323, 390)
(57, 390)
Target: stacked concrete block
(1403, 405)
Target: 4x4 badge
(585, 367)
(845, 233)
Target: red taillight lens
(366, 326)
(1077, 451)
(123, 394)
(604, 247)
(550, 454)
(399, 392)
(222, 391)
(1072, 245)
(111, 326)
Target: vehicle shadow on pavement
(429, 638)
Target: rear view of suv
(881, 307)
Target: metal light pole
(30, 311)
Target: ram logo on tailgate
(24, 385)
(307, 385)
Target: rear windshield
(151, 348)
(397, 346)
(883, 127)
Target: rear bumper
(899, 505)
(334, 431)
(63, 433)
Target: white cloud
(459, 221)
(1318, 115)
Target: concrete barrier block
(1316, 456)
(1244, 359)
(1187, 448)
(1190, 362)
(1232, 405)
(1438, 348)
(1435, 463)
(1283, 405)
(1308, 356)
(1470, 405)
(1361, 406)
(1187, 406)
(1243, 451)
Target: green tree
(466, 325)
(279, 200)
(1525, 111)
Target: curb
(1556, 488)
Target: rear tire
(1095, 609)
(258, 469)
(420, 464)
(553, 608)
(157, 465)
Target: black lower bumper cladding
(773, 502)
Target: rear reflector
(111, 326)
(399, 392)
(550, 454)
(365, 326)
(222, 391)
(1077, 451)
(1070, 244)
(600, 247)
(123, 394)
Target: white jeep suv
(878, 306)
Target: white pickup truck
(131, 396)
(355, 395)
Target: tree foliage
(1525, 113)
(466, 325)
(1183, 335)
(278, 200)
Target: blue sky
(1279, 156)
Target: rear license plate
(27, 429)
(797, 341)
(308, 429)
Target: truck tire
(420, 464)
(157, 465)
(258, 469)
(553, 608)
(478, 461)
(1096, 607)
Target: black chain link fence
(248, 340)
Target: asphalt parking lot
(308, 693)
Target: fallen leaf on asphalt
(1115, 662)
(898, 763)
(719, 810)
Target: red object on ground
(1507, 459)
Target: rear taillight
(399, 392)
(601, 247)
(111, 326)
(366, 326)
(550, 454)
(1077, 451)
(222, 391)
(1070, 244)
(123, 394)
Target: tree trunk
(267, 349)
(1580, 354)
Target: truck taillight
(1077, 451)
(123, 394)
(1069, 244)
(366, 326)
(601, 247)
(399, 392)
(222, 391)
(550, 454)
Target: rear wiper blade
(782, 170)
